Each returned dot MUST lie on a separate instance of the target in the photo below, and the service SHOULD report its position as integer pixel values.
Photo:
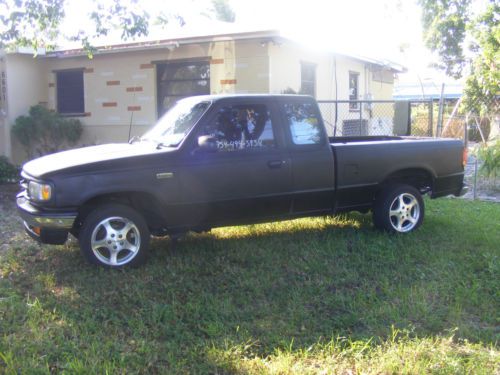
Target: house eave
(165, 43)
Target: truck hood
(86, 155)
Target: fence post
(409, 118)
(360, 118)
(475, 178)
(439, 127)
(430, 118)
(466, 130)
(336, 118)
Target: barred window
(177, 80)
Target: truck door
(249, 174)
(313, 176)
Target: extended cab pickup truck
(225, 160)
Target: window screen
(242, 127)
(177, 80)
(304, 123)
(70, 92)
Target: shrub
(8, 172)
(490, 155)
(43, 131)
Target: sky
(383, 29)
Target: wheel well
(146, 204)
(420, 179)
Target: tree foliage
(223, 11)
(36, 23)
(43, 131)
(467, 38)
(444, 24)
(30, 23)
(482, 88)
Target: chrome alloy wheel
(404, 212)
(115, 241)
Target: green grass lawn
(322, 295)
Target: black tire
(114, 236)
(398, 209)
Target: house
(128, 86)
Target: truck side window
(304, 124)
(240, 127)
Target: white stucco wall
(285, 65)
(26, 86)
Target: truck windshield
(171, 129)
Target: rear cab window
(303, 122)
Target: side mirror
(207, 143)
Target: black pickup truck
(225, 160)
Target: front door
(247, 178)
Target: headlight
(39, 192)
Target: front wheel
(114, 236)
(398, 209)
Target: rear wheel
(398, 209)
(114, 236)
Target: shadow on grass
(272, 285)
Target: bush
(8, 172)
(490, 155)
(44, 132)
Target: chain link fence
(345, 118)
(421, 118)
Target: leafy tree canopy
(466, 36)
(37, 23)
(223, 11)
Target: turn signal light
(36, 230)
(464, 157)
(46, 192)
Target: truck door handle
(274, 164)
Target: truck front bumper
(45, 226)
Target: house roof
(427, 90)
(162, 37)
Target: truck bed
(364, 139)
(363, 163)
